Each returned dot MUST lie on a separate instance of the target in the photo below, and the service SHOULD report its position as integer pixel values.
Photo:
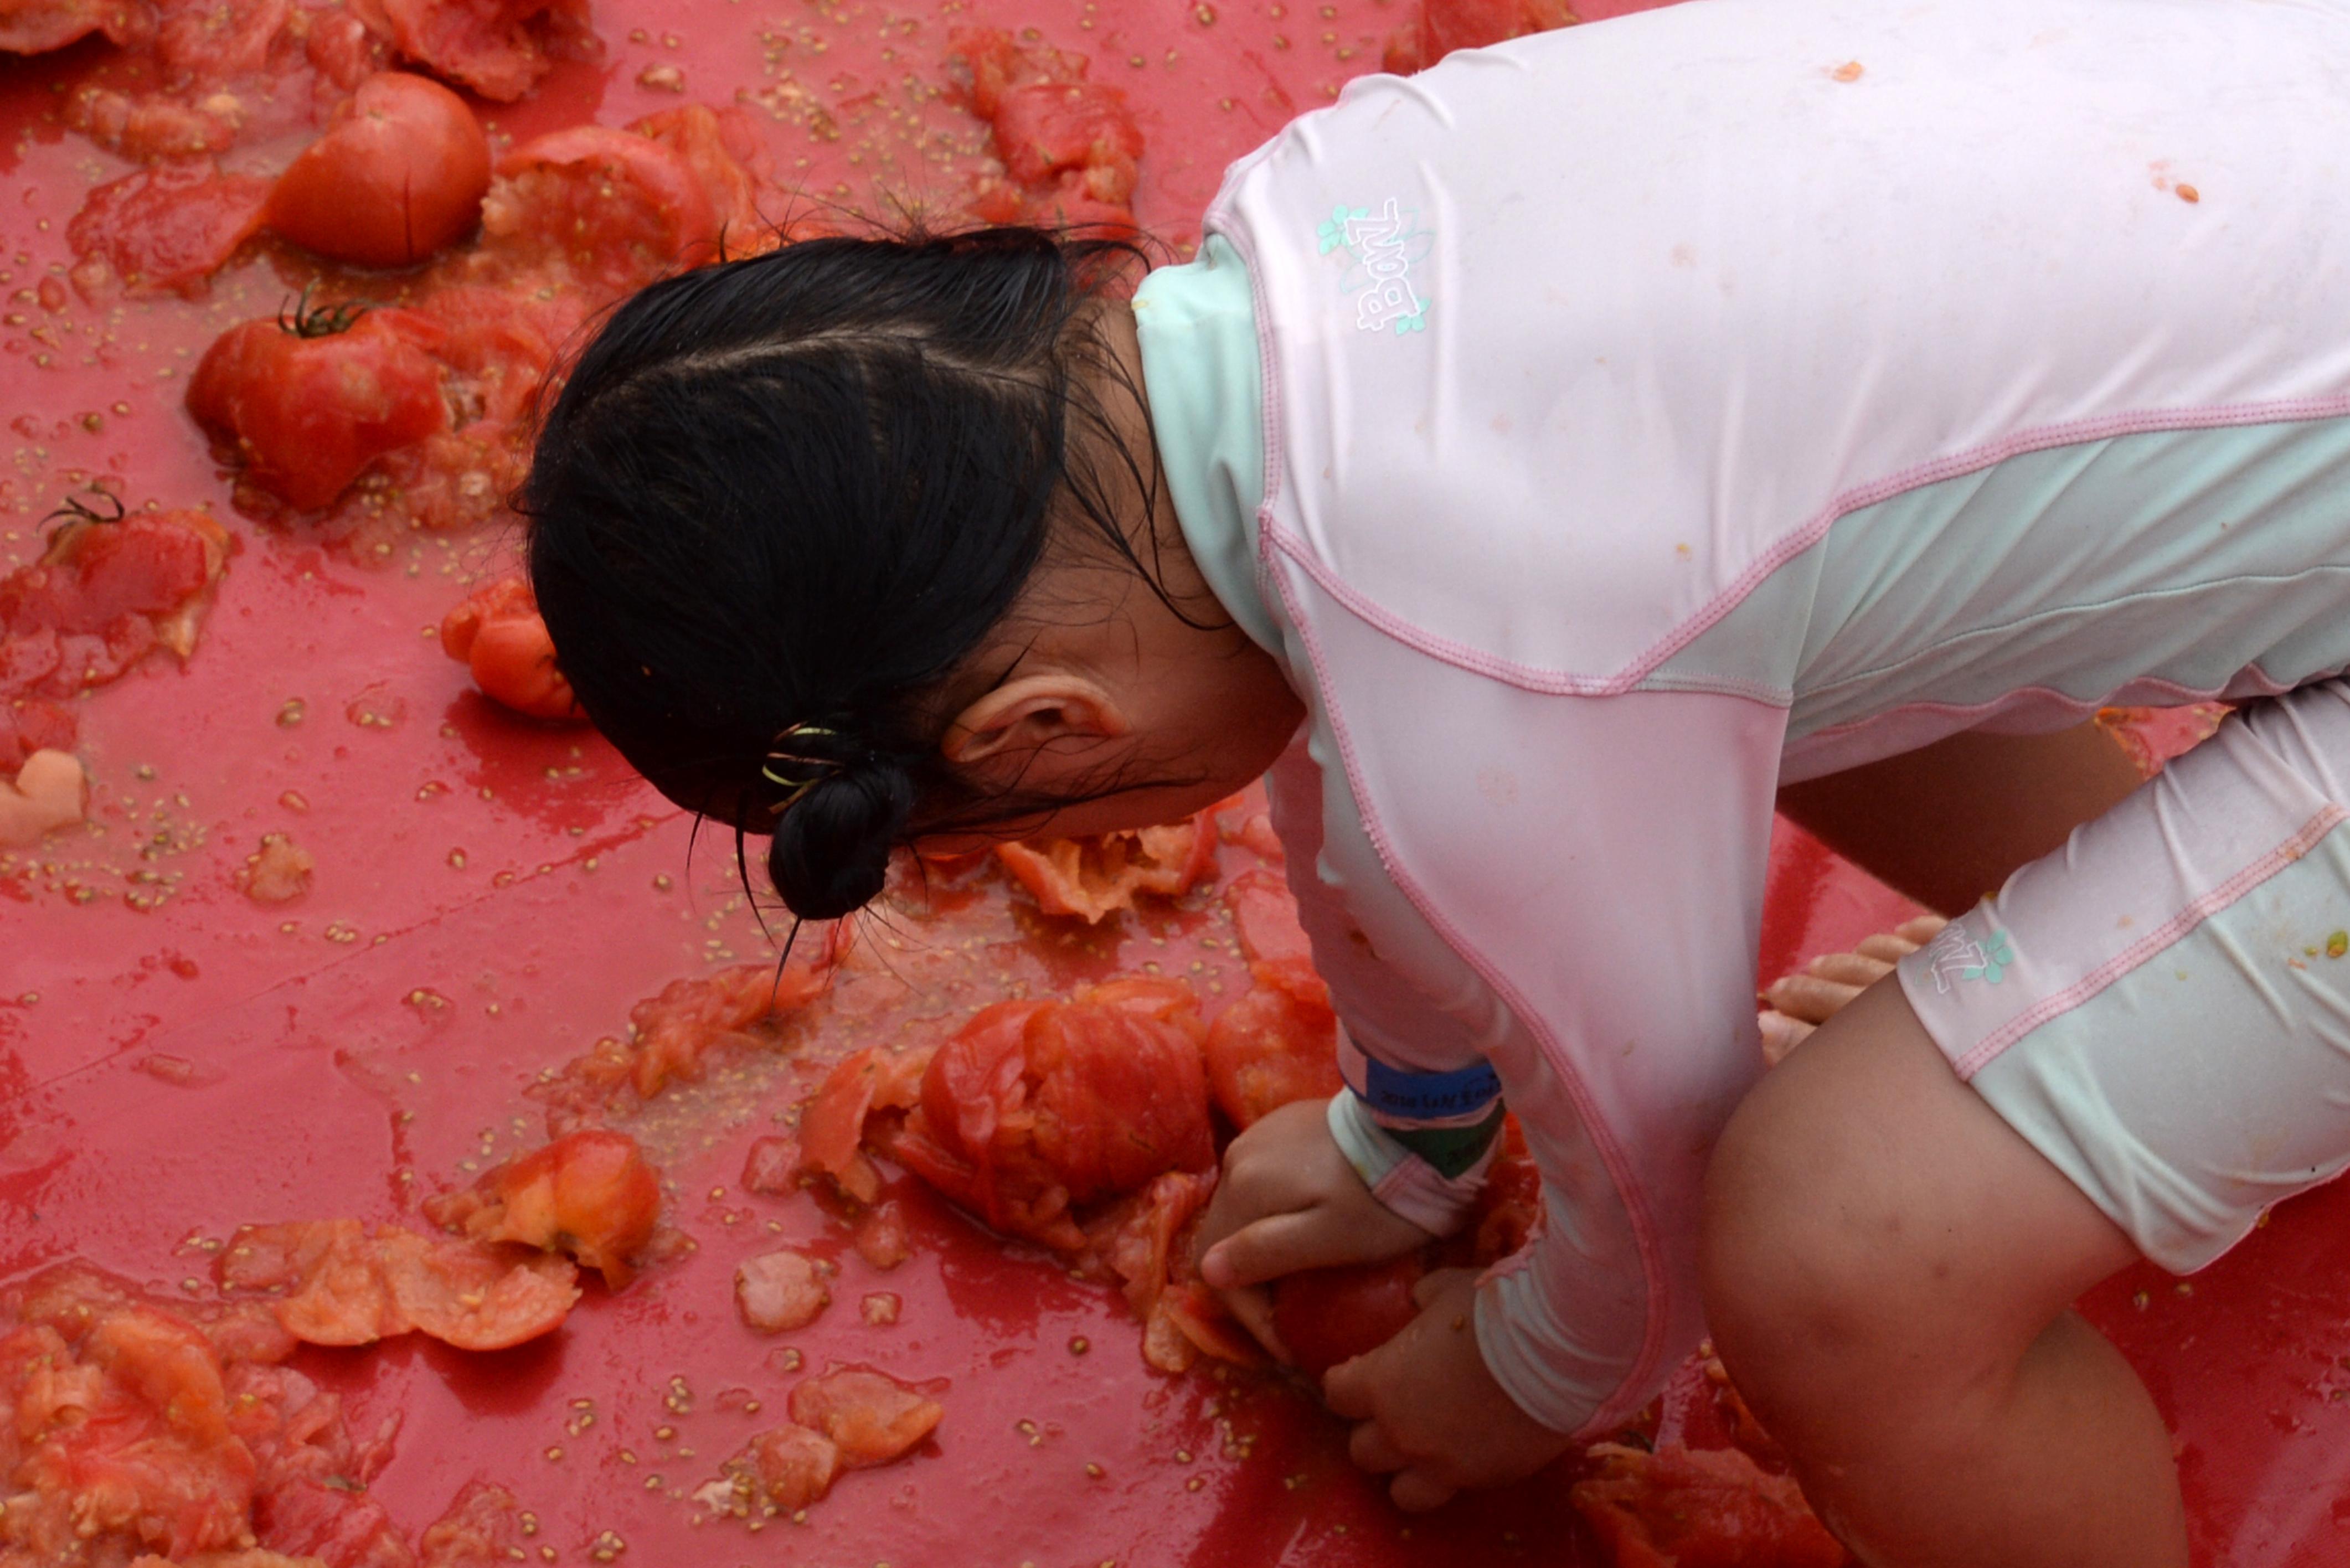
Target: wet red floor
(491, 896)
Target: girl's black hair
(778, 501)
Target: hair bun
(831, 850)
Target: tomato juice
(490, 896)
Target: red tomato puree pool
(411, 1152)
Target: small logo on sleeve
(1954, 956)
(1380, 248)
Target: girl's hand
(1428, 1412)
(1289, 1201)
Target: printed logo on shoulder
(1379, 250)
(1953, 955)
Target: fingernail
(1215, 1269)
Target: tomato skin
(499, 634)
(400, 172)
(309, 414)
(722, 147)
(170, 227)
(1326, 1317)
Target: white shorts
(2162, 1007)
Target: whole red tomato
(400, 172)
(313, 398)
(1326, 1317)
(500, 637)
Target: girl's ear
(1024, 717)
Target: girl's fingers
(1252, 1306)
(1886, 947)
(1269, 1248)
(1346, 1388)
(1435, 1283)
(1781, 1034)
(1370, 1449)
(1809, 998)
(1417, 1492)
(1924, 929)
(1849, 968)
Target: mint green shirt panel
(1204, 373)
(2182, 555)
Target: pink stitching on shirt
(1786, 546)
(1988, 1049)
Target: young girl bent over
(1552, 461)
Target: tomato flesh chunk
(99, 598)
(589, 1194)
(618, 208)
(1031, 1109)
(778, 1291)
(1276, 1045)
(342, 1286)
(869, 1416)
(1094, 877)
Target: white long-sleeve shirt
(1609, 427)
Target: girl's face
(1128, 703)
(1108, 692)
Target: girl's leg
(1888, 1273)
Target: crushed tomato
(870, 1416)
(589, 1194)
(1035, 1108)
(101, 597)
(1277, 1043)
(165, 228)
(128, 1427)
(1096, 876)
(674, 1036)
(1444, 26)
(305, 414)
(335, 1284)
(498, 47)
(499, 635)
(1700, 1508)
(1069, 147)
